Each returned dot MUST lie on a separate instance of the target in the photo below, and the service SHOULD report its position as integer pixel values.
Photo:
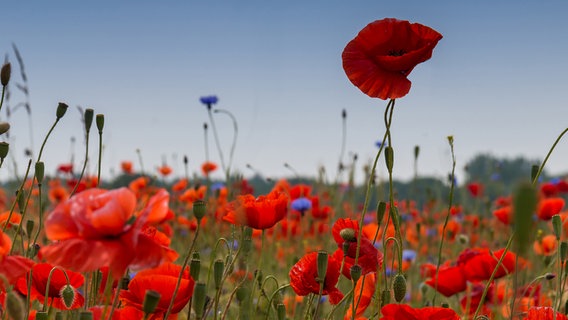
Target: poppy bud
(20, 197)
(34, 249)
(100, 119)
(445, 305)
(343, 113)
(242, 293)
(67, 294)
(322, 266)
(557, 226)
(218, 269)
(4, 127)
(399, 287)
(199, 209)
(5, 74)
(85, 315)
(194, 268)
(4, 147)
(381, 209)
(61, 109)
(41, 315)
(39, 171)
(389, 158)
(15, 306)
(416, 152)
(29, 227)
(151, 299)
(549, 276)
(199, 299)
(348, 234)
(345, 246)
(89, 114)
(281, 311)
(463, 239)
(355, 272)
(563, 250)
(385, 297)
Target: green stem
(20, 189)
(217, 143)
(84, 164)
(46, 137)
(49, 281)
(100, 157)
(452, 184)
(535, 180)
(185, 261)
(235, 134)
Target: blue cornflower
(209, 100)
(301, 204)
(217, 186)
(408, 255)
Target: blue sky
(496, 82)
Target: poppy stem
(216, 136)
(452, 184)
(185, 262)
(87, 131)
(235, 134)
(48, 283)
(272, 298)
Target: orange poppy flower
(165, 170)
(504, 214)
(138, 185)
(544, 313)
(15, 219)
(12, 267)
(40, 273)
(364, 291)
(208, 167)
(65, 168)
(549, 207)
(379, 59)
(180, 185)
(304, 273)
(259, 213)
(162, 279)
(97, 228)
(126, 167)
(545, 246)
(395, 311)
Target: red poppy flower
(304, 273)
(478, 264)
(475, 189)
(549, 207)
(544, 313)
(65, 168)
(451, 280)
(383, 54)
(165, 170)
(162, 279)
(40, 274)
(504, 214)
(259, 213)
(208, 167)
(12, 267)
(396, 311)
(548, 189)
(97, 228)
(126, 167)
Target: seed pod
(151, 300)
(61, 109)
(399, 287)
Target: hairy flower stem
(216, 136)
(49, 281)
(234, 143)
(84, 163)
(510, 241)
(185, 262)
(450, 202)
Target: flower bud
(399, 287)
(345, 246)
(534, 171)
(61, 109)
(281, 311)
(21, 199)
(355, 272)
(389, 158)
(89, 114)
(445, 305)
(29, 227)
(151, 299)
(242, 293)
(41, 315)
(218, 269)
(85, 315)
(67, 294)
(199, 298)
(5, 74)
(194, 268)
(39, 171)
(563, 250)
(557, 226)
(199, 209)
(381, 208)
(4, 147)
(463, 239)
(100, 119)
(343, 113)
(4, 127)
(15, 306)
(348, 234)
(385, 297)
(549, 276)
(416, 152)
(322, 266)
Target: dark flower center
(397, 53)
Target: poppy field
(181, 245)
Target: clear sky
(497, 82)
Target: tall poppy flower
(395, 311)
(98, 228)
(379, 59)
(162, 279)
(258, 213)
(40, 274)
(304, 273)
